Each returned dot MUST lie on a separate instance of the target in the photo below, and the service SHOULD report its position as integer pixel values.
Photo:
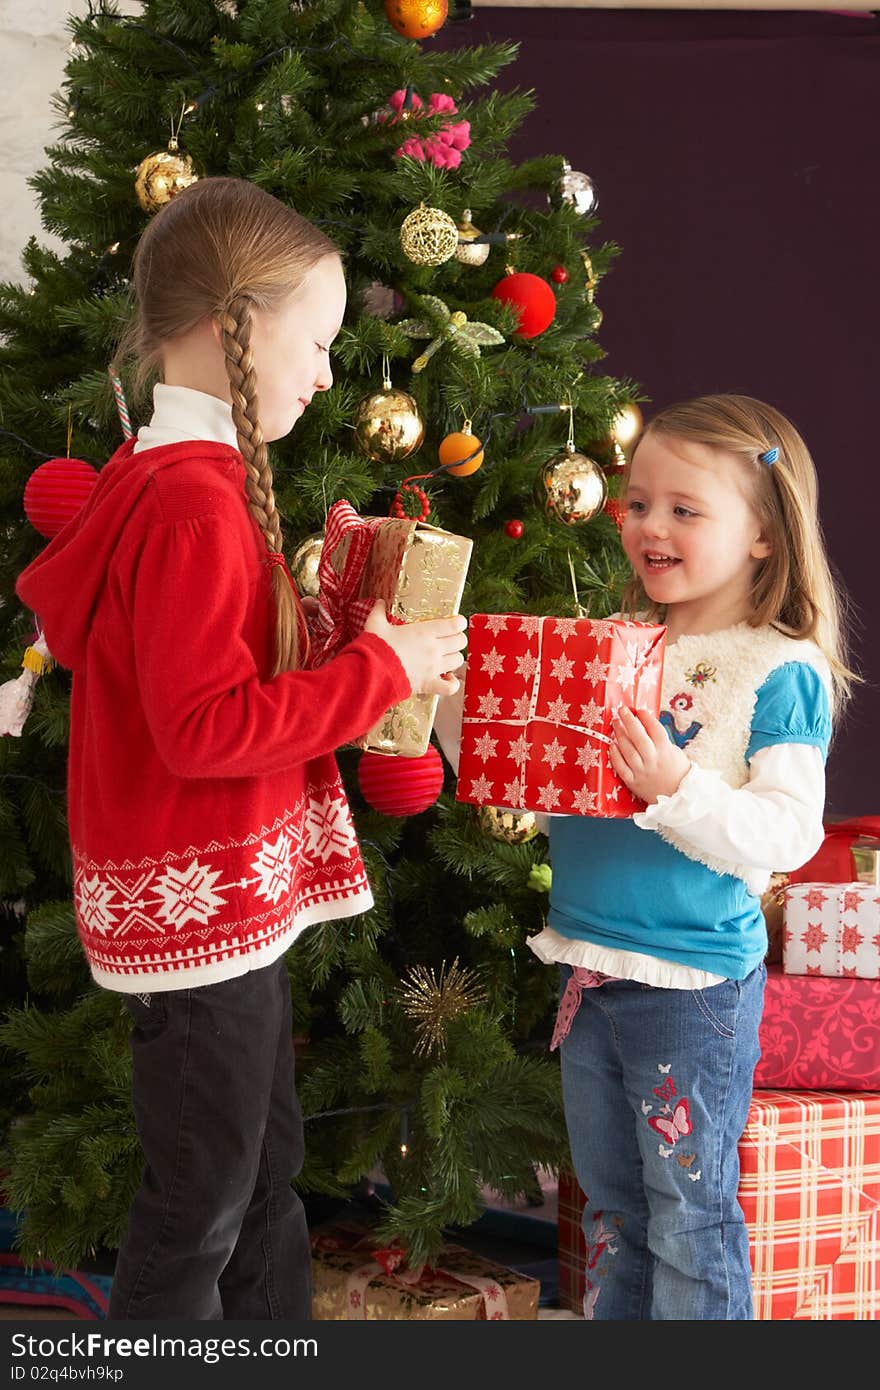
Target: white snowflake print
(557, 710)
(522, 707)
(565, 628)
(554, 753)
(548, 797)
(493, 662)
(329, 829)
(512, 793)
(526, 665)
(187, 895)
(274, 866)
(648, 677)
(585, 801)
(612, 792)
(562, 668)
(481, 788)
(591, 714)
(484, 747)
(602, 629)
(93, 904)
(496, 622)
(529, 624)
(519, 749)
(596, 671)
(588, 757)
(489, 706)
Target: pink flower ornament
(443, 147)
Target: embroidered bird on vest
(680, 737)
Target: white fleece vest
(711, 681)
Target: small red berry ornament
(532, 298)
(400, 786)
(55, 492)
(559, 275)
(514, 529)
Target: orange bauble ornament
(460, 446)
(417, 19)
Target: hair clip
(769, 456)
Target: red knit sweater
(207, 819)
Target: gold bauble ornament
(428, 236)
(571, 487)
(465, 252)
(417, 19)
(161, 176)
(304, 565)
(511, 827)
(627, 426)
(388, 425)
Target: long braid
(235, 325)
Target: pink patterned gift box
(819, 1033)
(832, 929)
(540, 699)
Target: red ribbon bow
(341, 613)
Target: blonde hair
(793, 588)
(224, 247)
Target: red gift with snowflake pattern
(540, 699)
(831, 929)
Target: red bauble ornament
(559, 275)
(514, 529)
(400, 786)
(616, 510)
(55, 492)
(532, 297)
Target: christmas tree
(423, 1024)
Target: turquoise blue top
(627, 889)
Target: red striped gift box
(810, 1191)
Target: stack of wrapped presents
(810, 1152)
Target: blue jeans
(215, 1229)
(657, 1085)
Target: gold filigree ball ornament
(461, 452)
(571, 487)
(388, 425)
(466, 251)
(428, 236)
(161, 176)
(304, 566)
(579, 190)
(511, 827)
(417, 19)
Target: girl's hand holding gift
(643, 757)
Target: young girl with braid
(207, 819)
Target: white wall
(33, 52)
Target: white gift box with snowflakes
(832, 929)
(540, 699)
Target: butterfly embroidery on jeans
(677, 1125)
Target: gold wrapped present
(866, 861)
(353, 1278)
(419, 571)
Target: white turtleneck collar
(180, 413)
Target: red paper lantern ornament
(514, 529)
(559, 275)
(55, 492)
(532, 298)
(400, 786)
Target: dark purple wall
(736, 158)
